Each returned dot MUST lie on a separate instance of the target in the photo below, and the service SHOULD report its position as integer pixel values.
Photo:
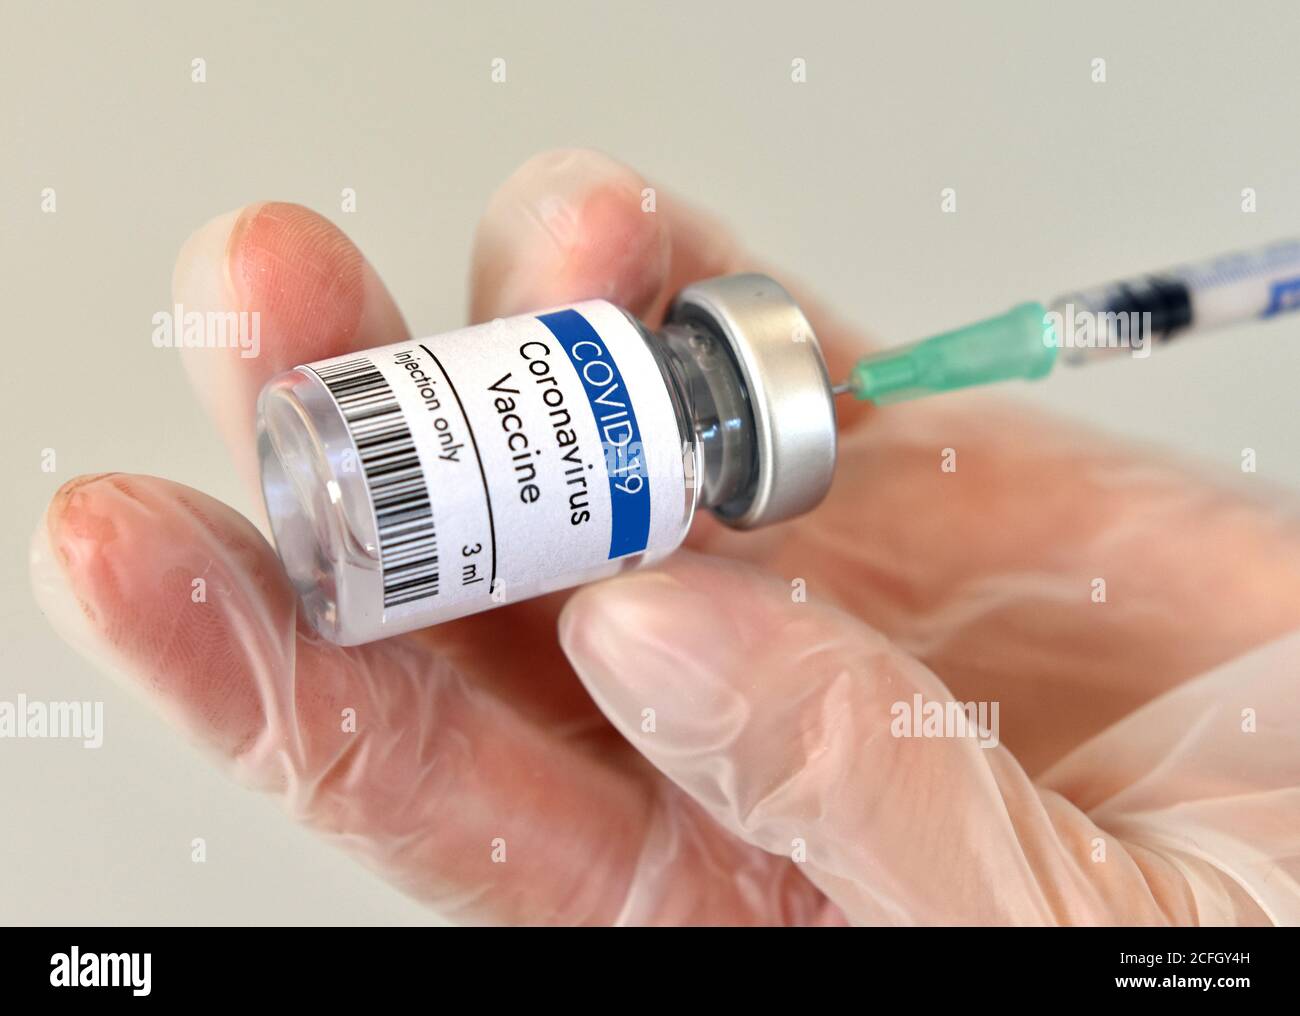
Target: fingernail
(203, 290)
(568, 225)
(94, 526)
(53, 559)
(656, 653)
(201, 280)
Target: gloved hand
(732, 758)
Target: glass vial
(419, 482)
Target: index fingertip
(568, 225)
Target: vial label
(511, 458)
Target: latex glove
(768, 664)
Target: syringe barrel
(1131, 314)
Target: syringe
(1083, 326)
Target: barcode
(408, 548)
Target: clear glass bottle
(419, 482)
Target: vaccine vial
(416, 483)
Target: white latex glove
(1148, 771)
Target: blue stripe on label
(611, 405)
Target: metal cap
(789, 391)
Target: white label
(512, 458)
